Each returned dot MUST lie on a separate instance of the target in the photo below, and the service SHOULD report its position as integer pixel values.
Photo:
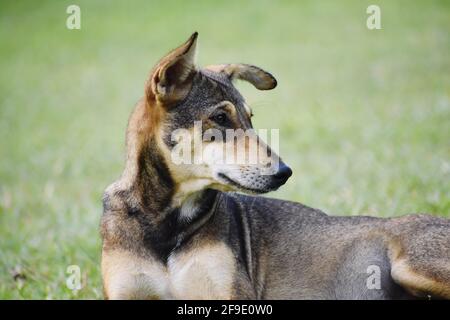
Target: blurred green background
(364, 115)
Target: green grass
(364, 116)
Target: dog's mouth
(236, 184)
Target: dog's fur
(176, 232)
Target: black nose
(283, 173)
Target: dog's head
(204, 125)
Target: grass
(364, 116)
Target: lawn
(364, 115)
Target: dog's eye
(220, 118)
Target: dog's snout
(283, 173)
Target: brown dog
(175, 231)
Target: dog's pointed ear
(171, 78)
(261, 79)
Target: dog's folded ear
(261, 79)
(170, 79)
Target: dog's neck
(149, 197)
(148, 194)
(166, 222)
(156, 194)
(146, 174)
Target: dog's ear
(261, 79)
(170, 80)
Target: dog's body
(174, 232)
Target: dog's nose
(283, 173)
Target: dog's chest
(205, 272)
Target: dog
(200, 231)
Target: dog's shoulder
(114, 198)
(115, 224)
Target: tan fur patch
(127, 276)
(203, 273)
(143, 124)
(417, 284)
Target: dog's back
(291, 251)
